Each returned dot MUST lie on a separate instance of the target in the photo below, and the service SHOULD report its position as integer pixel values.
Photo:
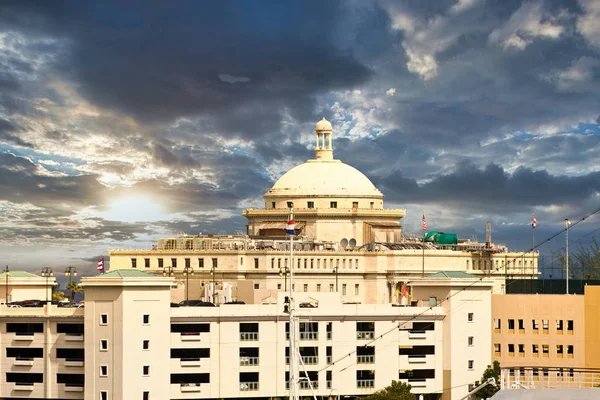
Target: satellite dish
(344, 243)
(352, 243)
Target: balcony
(248, 336)
(248, 386)
(190, 387)
(73, 362)
(24, 362)
(417, 359)
(23, 386)
(365, 383)
(24, 336)
(417, 334)
(74, 337)
(248, 361)
(309, 335)
(189, 362)
(190, 336)
(418, 383)
(73, 388)
(369, 359)
(365, 335)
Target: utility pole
(47, 272)
(335, 271)
(214, 292)
(71, 272)
(6, 275)
(187, 271)
(294, 375)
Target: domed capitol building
(345, 241)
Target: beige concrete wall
(539, 307)
(592, 326)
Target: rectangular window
(146, 396)
(146, 262)
(521, 324)
(311, 204)
(344, 289)
(355, 204)
(160, 265)
(188, 263)
(256, 263)
(146, 319)
(559, 325)
(570, 349)
(497, 324)
(290, 204)
(511, 324)
(318, 287)
(356, 289)
(214, 262)
(104, 370)
(470, 317)
(535, 349)
(272, 204)
(470, 341)
(497, 348)
(103, 395)
(133, 263)
(256, 286)
(279, 286)
(306, 287)
(545, 324)
(331, 287)
(535, 325)
(201, 263)
(559, 349)
(511, 349)
(570, 325)
(522, 348)
(174, 262)
(545, 349)
(471, 365)
(146, 345)
(333, 204)
(103, 319)
(103, 345)
(146, 370)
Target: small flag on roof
(101, 265)
(290, 227)
(533, 221)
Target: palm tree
(74, 288)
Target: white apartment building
(129, 343)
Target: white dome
(330, 178)
(323, 125)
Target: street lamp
(212, 273)
(6, 274)
(284, 272)
(47, 272)
(187, 271)
(335, 271)
(71, 272)
(168, 271)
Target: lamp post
(284, 272)
(168, 271)
(6, 275)
(47, 272)
(335, 271)
(567, 223)
(187, 271)
(71, 272)
(212, 273)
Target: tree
(58, 296)
(584, 261)
(489, 390)
(396, 391)
(74, 288)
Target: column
(329, 135)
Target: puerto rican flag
(101, 265)
(424, 223)
(289, 229)
(533, 221)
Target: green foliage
(58, 296)
(396, 391)
(584, 261)
(73, 287)
(490, 372)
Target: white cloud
(390, 91)
(587, 24)
(578, 77)
(462, 5)
(525, 25)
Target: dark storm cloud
(21, 181)
(6, 134)
(239, 62)
(492, 188)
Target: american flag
(424, 223)
(101, 265)
(533, 221)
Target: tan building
(22, 285)
(346, 241)
(548, 340)
(129, 343)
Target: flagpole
(293, 344)
(533, 242)
(567, 253)
(424, 229)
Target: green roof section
(126, 273)
(451, 275)
(18, 274)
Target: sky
(122, 122)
